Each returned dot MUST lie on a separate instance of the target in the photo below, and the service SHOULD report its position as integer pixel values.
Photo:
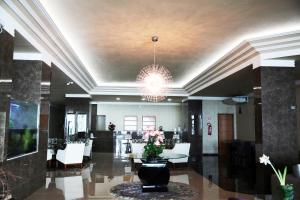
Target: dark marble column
(93, 117)
(6, 57)
(30, 170)
(193, 132)
(279, 119)
(6, 48)
(275, 121)
(45, 109)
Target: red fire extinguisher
(209, 128)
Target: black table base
(154, 175)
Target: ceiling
(113, 38)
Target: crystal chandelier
(154, 79)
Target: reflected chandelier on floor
(154, 79)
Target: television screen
(23, 128)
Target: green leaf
(284, 175)
(280, 177)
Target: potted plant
(111, 126)
(154, 145)
(287, 189)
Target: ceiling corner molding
(132, 90)
(240, 57)
(32, 21)
(277, 45)
(31, 56)
(277, 63)
(255, 52)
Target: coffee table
(155, 174)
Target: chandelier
(154, 79)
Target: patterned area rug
(133, 191)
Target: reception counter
(103, 141)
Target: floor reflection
(106, 170)
(228, 176)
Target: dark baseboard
(210, 154)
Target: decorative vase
(154, 176)
(287, 192)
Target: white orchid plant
(281, 176)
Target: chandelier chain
(154, 52)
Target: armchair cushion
(137, 150)
(181, 148)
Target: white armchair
(181, 148)
(137, 150)
(49, 154)
(72, 154)
(88, 149)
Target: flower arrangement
(154, 145)
(288, 191)
(111, 126)
(281, 176)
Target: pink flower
(157, 133)
(152, 133)
(157, 143)
(160, 139)
(146, 134)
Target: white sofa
(72, 154)
(88, 149)
(137, 150)
(179, 148)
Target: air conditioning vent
(236, 100)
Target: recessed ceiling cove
(112, 38)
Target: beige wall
(210, 110)
(245, 121)
(167, 115)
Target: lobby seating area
(190, 100)
(69, 152)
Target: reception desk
(103, 141)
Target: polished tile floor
(106, 170)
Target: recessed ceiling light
(169, 99)
(118, 98)
(143, 99)
(70, 83)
